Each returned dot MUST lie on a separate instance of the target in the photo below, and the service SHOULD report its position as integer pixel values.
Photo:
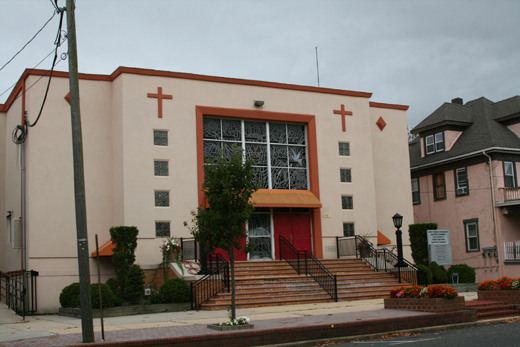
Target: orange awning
(382, 239)
(105, 250)
(285, 198)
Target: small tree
(228, 187)
(124, 239)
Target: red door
(295, 227)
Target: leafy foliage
(430, 292)
(419, 241)
(228, 187)
(134, 284)
(466, 273)
(406, 292)
(424, 277)
(114, 286)
(107, 296)
(124, 239)
(175, 290)
(69, 296)
(440, 275)
(503, 283)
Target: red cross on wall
(159, 97)
(342, 112)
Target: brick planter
(437, 305)
(509, 296)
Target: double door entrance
(264, 230)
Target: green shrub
(107, 296)
(422, 278)
(69, 296)
(439, 273)
(466, 273)
(155, 299)
(119, 301)
(124, 239)
(419, 241)
(112, 284)
(134, 284)
(175, 290)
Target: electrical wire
(10, 60)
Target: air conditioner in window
(461, 191)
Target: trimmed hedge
(70, 296)
(419, 241)
(466, 273)
(440, 275)
(421, 278)
(175, 290)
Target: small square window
(160, 167)
(162, 229)
(345, 175)
(162, 198)
(347, 203)
(160, 138)
(348, 229)
(344, 148)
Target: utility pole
(87, 325)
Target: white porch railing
(511, 194)
(512, 250)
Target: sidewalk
(190, 326)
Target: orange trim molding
(382, 239)
(390, 106)
(312, 152)
(285, 198)
(105, 250)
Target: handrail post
(399, 267)
(336, 287)
(337, 246)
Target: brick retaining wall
(509, 296)
(437, 305)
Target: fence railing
(304, 262)
(211, 284)
(511, 194)
(512, 250)
(18, 291)
(380, 260)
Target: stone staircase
(493, 309)
(274, 283)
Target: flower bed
(435, 298)
(505, 289)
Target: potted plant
(364, 247)
(504, 289)
(170, 250)
(435, 298)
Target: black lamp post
(398, 223)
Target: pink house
(464, 170)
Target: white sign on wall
(439, 247)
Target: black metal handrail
(304, 262)
(211, 284)
(380, 260)
(18, 291)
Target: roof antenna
(317, 66)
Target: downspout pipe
(494, 211)
(23, 218)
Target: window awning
(105, 250)
(285, 198)
(382, 239)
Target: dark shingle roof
(483, 130)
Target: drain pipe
(494, 211)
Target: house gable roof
(483, 129)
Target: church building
(331, 163)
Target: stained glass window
(344, 148)
(348, 229)
(160, 167)
(162, 229)
(345, 175)
(162, 198)
(347, 202)
(279, 159)
(160, 138)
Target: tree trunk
(232, 263)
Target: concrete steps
(274, 283)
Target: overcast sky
(416, 53)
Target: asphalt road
(505, 334)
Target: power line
(10, 60)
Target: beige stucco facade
(118, 120)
